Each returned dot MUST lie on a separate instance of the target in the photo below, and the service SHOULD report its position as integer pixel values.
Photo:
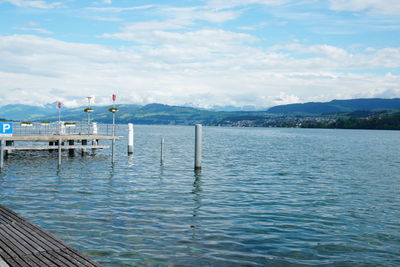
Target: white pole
(1, 154)
(94, 132)
(59, 152)
(198, 147)
(162, 151)
(130, 138)
(94, 128)
(113, 140)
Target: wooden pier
(24, 244)
(55, 138)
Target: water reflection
(249, 214)
(196, 191)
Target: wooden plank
(35, 237)
(15, 243)
(62, 259)
(73, 253)
(12, 215)
(72, 259)
(46, 261)
(32, 260)
(33, 246)
(56, 137)
(52, 258)
(13, 256)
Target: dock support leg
(59, 153)
(112, 151)
(71, 151)
(1, 154)
(51, 144)
(9, 143)
(95, 142)
(84, 143)
(130, 138)
(198, 147)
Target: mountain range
(165, 114)
(338, 106)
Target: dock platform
(23, 243)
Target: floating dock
(24, 244)
(53, 140)
(57, 136)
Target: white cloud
(238, 3)
(32, 27)
(110, 19)
(118, 9)
(374, 6)
(227, 72)
(34, 3)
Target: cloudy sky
(200, 53)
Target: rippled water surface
(266, 197)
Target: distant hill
(148, 114)
(24, 112)
(279, 116)
(337, 106)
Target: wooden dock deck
(23, 243)
(56, 137)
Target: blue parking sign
(6, 128)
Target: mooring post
(162, 151)
(84, 143)
(130, 138)
(113, 140)
(51, 144)
(1, 154)
(9, 143)
(59, 152)
(198, 147)
(94, 132)
(71, 151)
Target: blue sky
(202, 53)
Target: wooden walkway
(23, 243)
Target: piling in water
(94, 132)
(198, 147)
(84, 143)
(71, 151)
(59, 152)
(1, 154)
(130, 138)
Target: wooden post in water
(162, 151)
(84, 143)
(51, 144)
(130, 138)
(9, 143)
(71, 151)
(59, 152)
(1, 154)
(198, 147)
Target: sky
(201, 53)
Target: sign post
(6, 130)
(59, 106)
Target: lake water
(265, 197)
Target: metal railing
(37, 128)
